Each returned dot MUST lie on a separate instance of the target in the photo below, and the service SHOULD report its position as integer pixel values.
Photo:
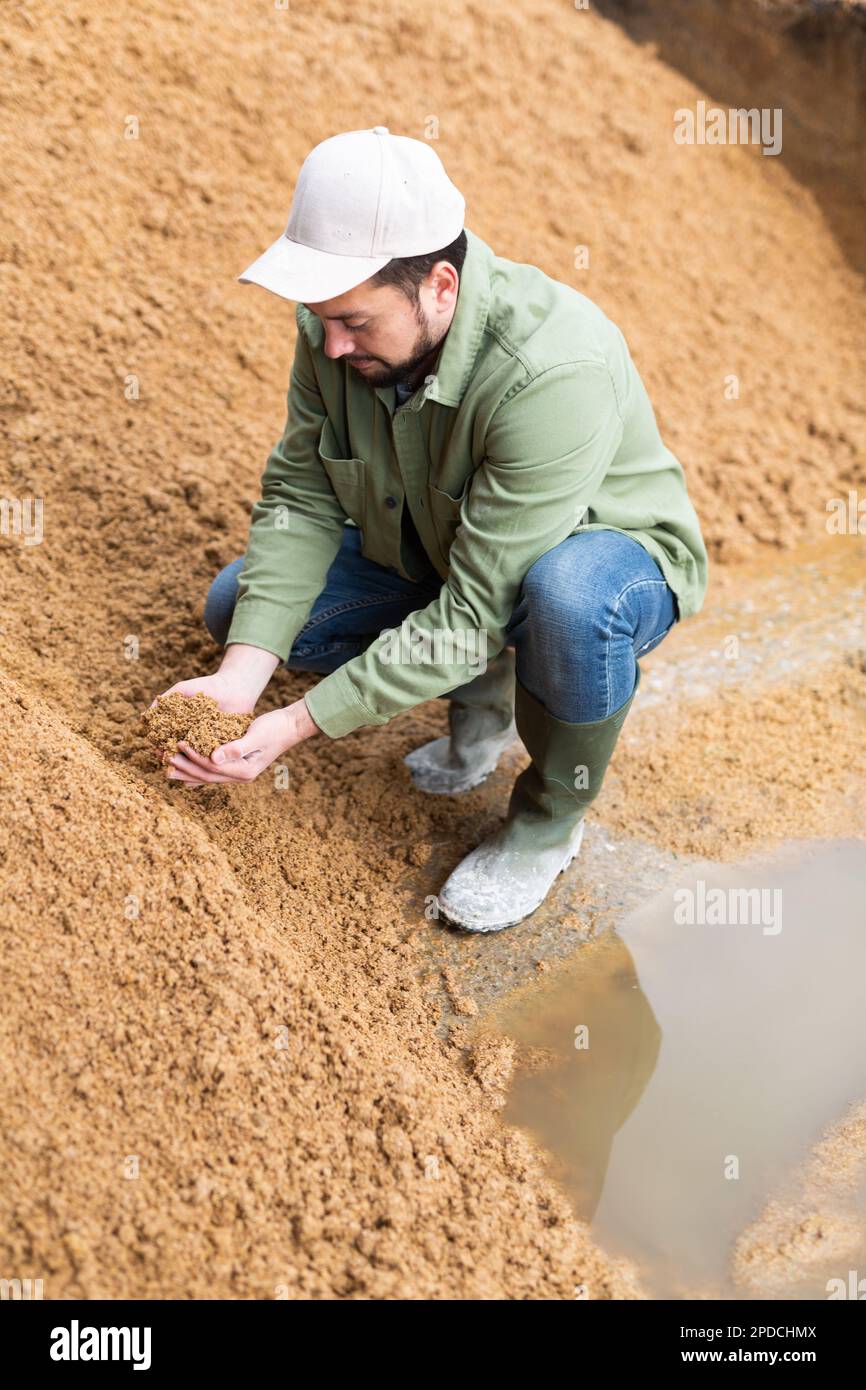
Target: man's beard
(388, 375)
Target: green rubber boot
(510, 874)
(481, 724)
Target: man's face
(383, 334)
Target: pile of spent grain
(188, 1107)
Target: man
(470, 498)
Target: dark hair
(406, 273)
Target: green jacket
(534, 425)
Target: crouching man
(470, 499)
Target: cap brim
(302, 273)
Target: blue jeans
(586, 612)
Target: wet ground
(719, 1051)
(766, 622)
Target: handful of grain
(193, 719)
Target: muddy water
(696, 1056)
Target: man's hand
(243, 674)
(266, 738)
(236, 686)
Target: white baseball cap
(361, 199)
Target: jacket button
(390, 501)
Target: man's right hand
(231, 696)
(236, 686)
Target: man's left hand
(242, 761)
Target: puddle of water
(722, 1034)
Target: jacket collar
(460, 349)
(456, 363)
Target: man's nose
(338, 342)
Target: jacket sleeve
(296, 527)
(547, 450)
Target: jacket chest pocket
(445, 514)
(348, 475)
